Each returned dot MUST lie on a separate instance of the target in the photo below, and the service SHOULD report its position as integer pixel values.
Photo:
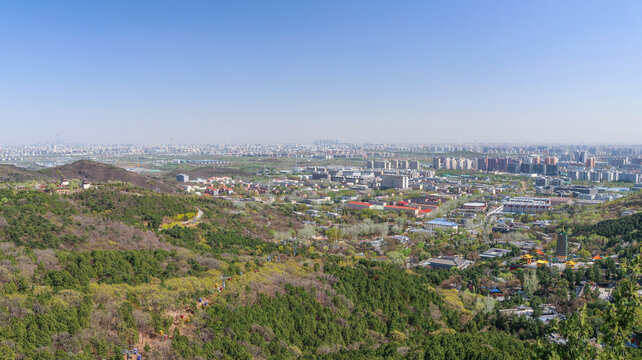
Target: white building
(394, 181)
(526, 205)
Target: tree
(6, 353)
(333, 234)
(531, 283)
(623, 315)
(307, 232)
(577, 332)
(584, 254)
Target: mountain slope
(12, 173)
(99, 172)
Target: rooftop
(494, 252)
(476, 204)
(441, 221)
(400, 207)
(448, 261)
(359, 203)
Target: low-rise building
(474, 206)
(494, 253)
(405, 209)
(441, 224)
(394, 182)
(319, 201)
(355, 205)
(526, 205)
(446, 262)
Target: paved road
(195, 219)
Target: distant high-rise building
(413, 165)
(381, 164)
(538, 168)
(370, 164)
(182, 178)
(631, 177)
(482, 164)
(590, 162)
(492, 164)
(550, 160)
(436, 163)
(460, 163)
(552, 170)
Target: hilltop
(12, 173)
(101, 173)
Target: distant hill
(12, 173)
(630, 202)
(99, 172)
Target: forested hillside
(84, 275)
(626, 228)
(102, 173)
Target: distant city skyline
(472, 143)
(145, 72)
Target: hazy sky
(294, 71)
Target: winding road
(195, 219)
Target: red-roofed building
(539, 252)
(211, 191)
(355, 205)
(225, 190)
(408, 210)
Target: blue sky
(295, 71)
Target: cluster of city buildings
(415, 211)
(452, 163)
(392, 164)
(363, 178)
(606, 168)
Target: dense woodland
(627, 229)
